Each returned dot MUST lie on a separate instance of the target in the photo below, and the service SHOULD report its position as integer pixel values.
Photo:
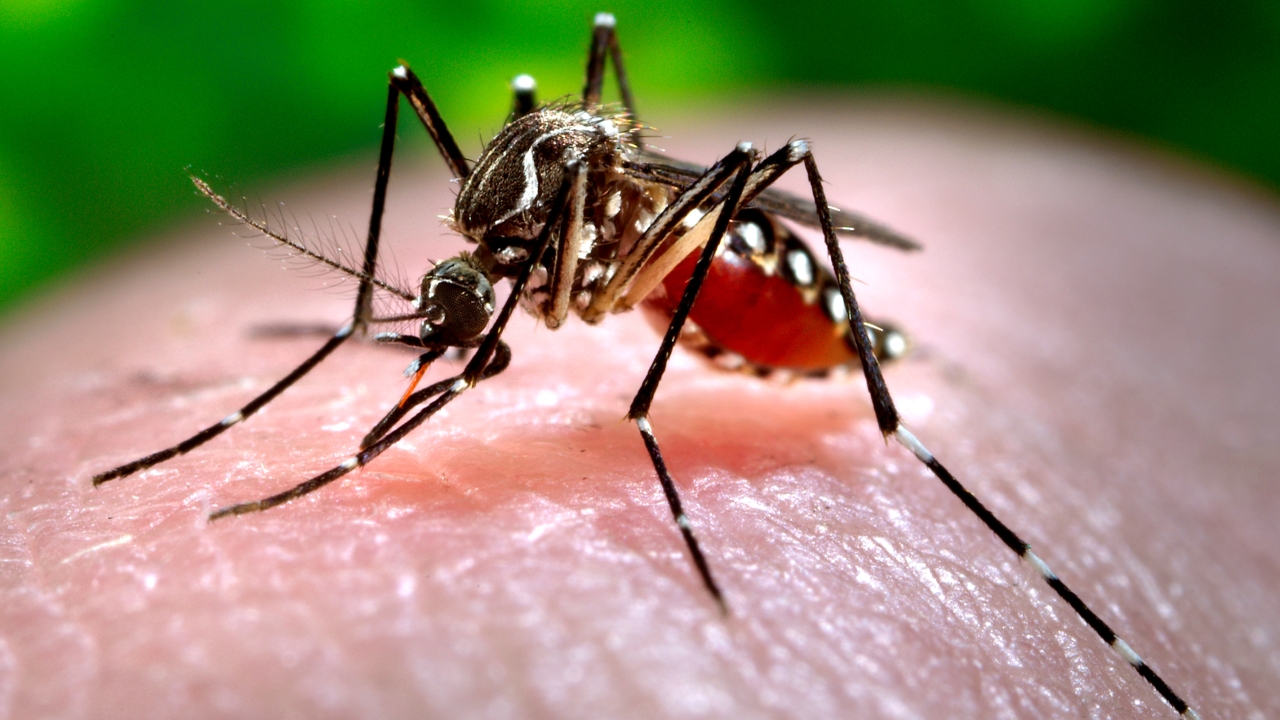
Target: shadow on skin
(1097, 350)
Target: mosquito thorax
(511, 188)
(456, 301)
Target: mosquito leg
(286, 330)
(740, 159)
(680, 208)
(364, 294)
(604, 39)
(641, 271)
(501, 359)
(575, 171)
(891, 425)
(565, 269)
(455, 387)
(292, 330)
(525, 92)
(405, 82)
(392, 338)
(360, 315)
(213, 431)
(473, 373)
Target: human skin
(1096, 345)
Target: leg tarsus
(891, 425)
(361, 315)
(240, 415)
(740, 161)
(677, 511)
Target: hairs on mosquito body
(317, 250)
(340, 242)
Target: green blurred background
(105, 103)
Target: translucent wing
(680, 174)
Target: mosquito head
(456, 302)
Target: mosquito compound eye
(453, 313)
(457, 302)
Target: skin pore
(1096, 345)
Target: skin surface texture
(1096, 351)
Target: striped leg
(524, 91)
(739, 163)
(891, 425)
(401, 81)
(405, 82)
(362, 314)
(491, 357)
(501, 359)
(604, 39)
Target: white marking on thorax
(530, 183)
(530, 166)
(644, 219)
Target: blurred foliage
(105, 103)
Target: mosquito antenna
(240, 216)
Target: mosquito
(569, 206)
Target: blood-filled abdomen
(766, 304)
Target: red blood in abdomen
(763, 318)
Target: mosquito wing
(680, 174)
